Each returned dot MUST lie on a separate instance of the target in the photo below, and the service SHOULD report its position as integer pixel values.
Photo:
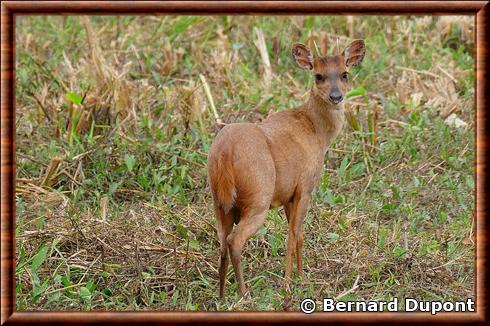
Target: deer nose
(336, 97)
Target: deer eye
(318, 77)
(344, 76)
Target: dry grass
(114, 119)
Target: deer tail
(222, 182)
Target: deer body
(298, 141)
(277, 162)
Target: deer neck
(328, 118)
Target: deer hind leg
(289, 210)
(250, 222)
(225, 226)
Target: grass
(113, 129)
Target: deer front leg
(299, 247)
(297, 212)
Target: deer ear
(354, 53)
(302, 56)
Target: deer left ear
(354, 53)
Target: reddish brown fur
(333, 64)
(277, 162)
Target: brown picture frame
(10, 9)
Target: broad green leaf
(66, 281)
(129, 160)
(399, 251)
(389, 207)
(276, 244)
(19, 288)
(332, 236)
(38, 291)
(343, 166)
(39, 258)
(74, 98)
(181, 229)
(91, 286)
(84, 293)
(194, 244)
(175, 297)
(356, 91)
(107, 292)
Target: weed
(115, 116)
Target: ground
(115, 116)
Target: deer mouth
(336, 101)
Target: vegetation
(115, 116)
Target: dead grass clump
(190, 103)
(464, 26)
(134, 248)
(114, 119)
(437, 90)
(171, 59)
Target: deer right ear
(302, 56)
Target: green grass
(113, 209)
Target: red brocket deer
(253, 167)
